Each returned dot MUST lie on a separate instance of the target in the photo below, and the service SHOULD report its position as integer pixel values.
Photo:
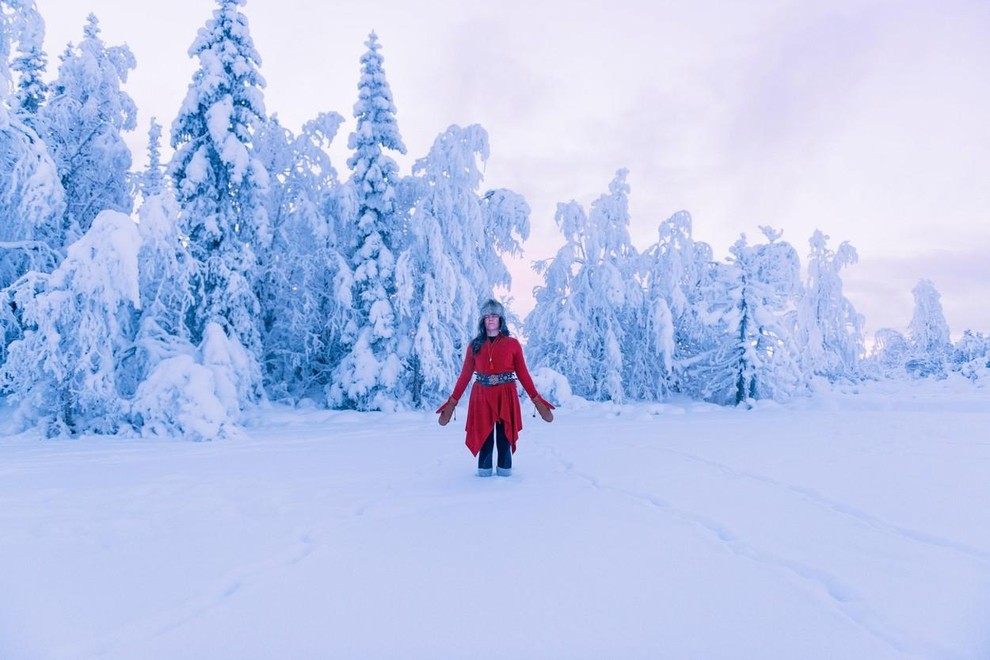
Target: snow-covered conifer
(68, 369)
(755, 356)
(167, 273)
(31, 195)
(369, 376)
(597, 319)
(552, 325)
(29, 63)
(152, 180)
(930, 344)
(830, 331)
(306, 292)
(442, 274)
(220, 183)
(181, 390)
(677, 272)
(82, 122)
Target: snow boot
(485, 472)
(503, 472)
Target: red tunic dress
(494, 403)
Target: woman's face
(491, 324)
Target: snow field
(840, 527)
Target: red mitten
(543, 407)
(447, 411)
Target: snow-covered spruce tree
(552, 325)
(677, 271)
(445, 268)
(151, 182)
(619, 278)
(930, 344)
(755, 356)
(68, 369)
(82, 122)
(306, 292)
(31, 196)
(830, 331)
(29, 64)
(369, 377)
(595, 332)
(222, 186)
(167, 273)
(179, 390)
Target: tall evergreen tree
(31, 196)
(930, 343)
(552, 325)
(830, 331)
(755, 357)
(29, 64)
(82, 123)
(152, 181)
(677, 272)
(69, 369)
(306, 292)
(442, 275)
(591, 299)
(167, 273)
(221, 184)
(369, 376)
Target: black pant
(504, 451)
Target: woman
(494, 417)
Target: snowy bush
(553, 386)
(236, 374)
(889, 354)
(180, 398)
(197, 394)
(971, 356)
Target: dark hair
(478, 341)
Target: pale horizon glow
(863, 118)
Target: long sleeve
(519, 366)
(466, 372)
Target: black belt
(495, 379)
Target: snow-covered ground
(848, 526)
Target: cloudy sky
(867, 119)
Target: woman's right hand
(446, 411)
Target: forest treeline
(169, 299)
